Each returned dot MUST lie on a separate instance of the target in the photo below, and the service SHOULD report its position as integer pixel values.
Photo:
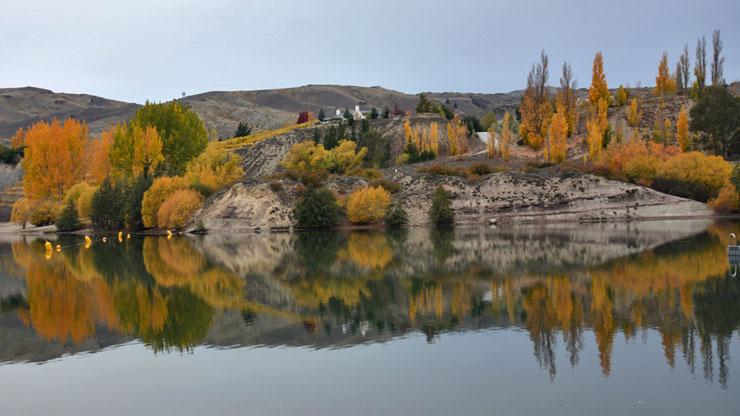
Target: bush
(642, 169)
(396, 217)
(155, 196)
(318, 209)
(177, 209)
(213, 170)
(108, 208)
(68, 220)
(44, 212)
(710, 172)
(9, 155)
(368, 205)
(276, 186)
(684, 189)
(480, 169)
(727, 201)
(387, 184)
(441, 213)
(308, 159)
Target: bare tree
(700, 66)
(568, 96)
(682, 70)
(717, 60)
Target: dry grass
(240, 142)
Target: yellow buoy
(59, 248)
(128, 236)
(49, 250)
(88, 242)
(105, 239)
(169, 234)
(120, 237)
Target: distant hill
(224, 110)
(21, 107)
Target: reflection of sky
(491, 372)
(140, 49)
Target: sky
(135, 50)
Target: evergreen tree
(365, 126)
(316, 135)
(396, 217)
(331, 139)
(68, 220)
(133, 214)
(347, 115)
(244, 129)
(318, 209)
(386, 113)
(441, 213)
(322, 115)
(108, 211)
(373, 114)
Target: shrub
(396, 217)
(307, 159)
(402, 159)
(684, 189)
(642, 169)
(318, 209)
(43, 212)
(480, 169)
(276, 186)
(213, 170)
(68, 220)
(108, 208)
(441, 213)
(155, 196)
(711, 172)
(727, 200)
(387, 184)
(368, 205)
(177, 209)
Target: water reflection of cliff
(333, 289)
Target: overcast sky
(135, 50)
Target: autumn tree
(368, 205)
(665, 84)
(621, 96)
(633, 115)
(213, 170)
(557, 137)
(718, 61)
(457, 135)
(54, 158)
(536, 108)
(596, 126)
(99, 158)
(507, 137)
(567, 97)
(177, 209)
(154, 197)
(183, 134)
(135, 151)
(682, 129)
(599, 89)
(682, 70)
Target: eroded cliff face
(503, 197)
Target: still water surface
(570, 319)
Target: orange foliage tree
(368, 205)
(54, 158)
(99, 158)
(665, 84)
(599, 89)
(536, 108)
(595, 127)
(457, 134)
(682, 130)
(177, 209)
(557, 137)
(160, 190)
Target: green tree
(441, 213)
(243, 129)
(322, 115)
(108, 211)
(318, 209)
(374, 113)
(133, 214)
(183, 134)
(386, 113)
(426, 105)
(716, 118)
(331, 139)
(396, 217)
(68, 220)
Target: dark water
(567, 319)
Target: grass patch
(240, 142)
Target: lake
(639, 318)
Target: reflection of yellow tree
(172, 262)
(370, 251)
(603, 321)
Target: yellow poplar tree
(682, 130)
(599, 89)
(665, 84)
(557, 138)
(506, 137)
(147, 150)
(595, 128)
(633, 116)
(434, 137)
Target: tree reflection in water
(332, 288)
